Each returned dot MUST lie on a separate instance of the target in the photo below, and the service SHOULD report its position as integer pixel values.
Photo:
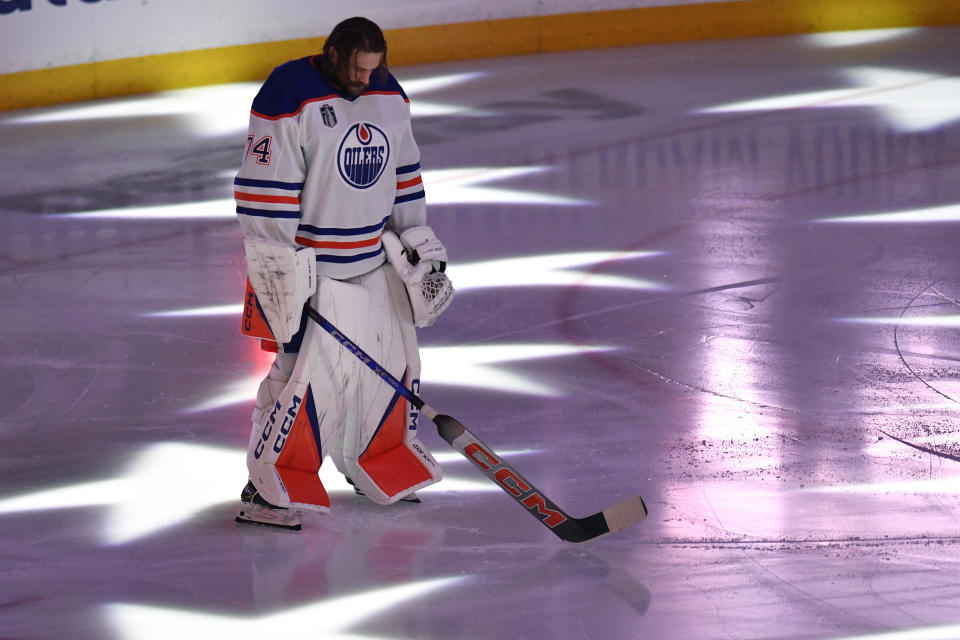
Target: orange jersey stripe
(256, 197)
(299, 109)
(410, 183)
(317, 244)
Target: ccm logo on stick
(514, 485)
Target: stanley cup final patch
(328, 115)
(363, 155)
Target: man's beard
(352, 89)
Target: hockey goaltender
(332, 209)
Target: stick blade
(603, 523)
(627, 513)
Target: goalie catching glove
(419, 259)
(283, 279)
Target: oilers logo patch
(363, 155)
(328, 115)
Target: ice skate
(255, 510)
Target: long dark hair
(353, 34)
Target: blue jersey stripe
(268, 184)
(409, 197)
(265, 213)
(360, 231)
(347, 259)
(410, 168)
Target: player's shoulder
(384, 83)
(289, 87)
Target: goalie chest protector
(327, 171)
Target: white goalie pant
(331, 404)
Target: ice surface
(685, 300)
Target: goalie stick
(619, 516)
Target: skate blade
(268, 517)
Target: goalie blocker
(283, 279)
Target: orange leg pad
(299, 463)
(391, 430)
(395, 470)
(304, 487)
(388, 462)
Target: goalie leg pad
(380, 450)
(333, 405)
(284, 458)
(272, 386)
(288, 439)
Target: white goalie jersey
(363, 174)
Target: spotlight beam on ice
(938, 486)
(205, 210)
(945, 632)
(951, 321)
(443, 187)
(928, 215)
(421, 107)
(468, 185)
(908, 100)
(140, 500)
(471, 366)
(555, 269)
(328, 619)
(199, 312)
(217, 110)
(856, 38)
